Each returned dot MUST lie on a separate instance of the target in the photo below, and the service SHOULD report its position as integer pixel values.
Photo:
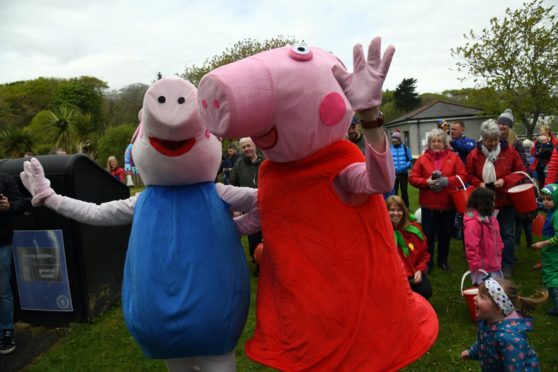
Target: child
(549, 246)
(502, 333)
(411, 245)
(483, 244)
(543, 152)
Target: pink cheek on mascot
(332, 294)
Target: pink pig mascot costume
(332, 294)
(186, 286)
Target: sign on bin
(41, 272)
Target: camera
(436, 174)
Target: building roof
(438, 110)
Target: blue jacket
(463, 146)
(503, 346)
(402, 158)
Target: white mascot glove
(363, 88)
(33, 178)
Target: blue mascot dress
(185, 276)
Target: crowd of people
(491, 228)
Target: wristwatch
(371, 124)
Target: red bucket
(460, 196)
(523, 196)
(469, 296)
(538, 224)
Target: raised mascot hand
(363, 88)
(33, 178)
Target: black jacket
(9, 188)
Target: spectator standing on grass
(459, 142)
(354, 134)
(549, 246)
(505, 124)
(492, 164)
(434, 174)
(483, 244)
(462, 145)
(411, 246)
(502, 328)
(543, 149)
(402, 161)
(229, 162)
(551, 175)
(11, 202)
(115, 170)
(524, 221)
(245, 173)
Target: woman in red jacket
(114, 169)
(411, 245)
(492, 164)
(435, 175)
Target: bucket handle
(468, 272)
(460, 180)
(530, 179)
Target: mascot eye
(300, 53)
(181, 100)
(161, 99)
(301, 49)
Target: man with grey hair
(492, 164)
(245, 173)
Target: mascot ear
(138, 133)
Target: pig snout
(170, 110)
(237, 100)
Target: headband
(498, 295)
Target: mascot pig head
(172, 146)
(286, 99)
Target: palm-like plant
(60, 125)
(15, 142)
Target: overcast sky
(129, 41)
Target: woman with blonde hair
(114, 169)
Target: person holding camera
(492, 165)
(435, 175)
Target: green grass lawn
(105, 345)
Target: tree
(59, 125)
(405, 95)
(85, 93)
(114, 142)
(122, 106)
(20, 101)
(516, 56)
(15, 142)
(242, 49)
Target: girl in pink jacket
(483, 244)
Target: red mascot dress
(334, 297)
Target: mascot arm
(113, 213)
(377, 175)
(118, 212)
(242, 199)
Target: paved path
(31, 341)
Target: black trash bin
(67, 271)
